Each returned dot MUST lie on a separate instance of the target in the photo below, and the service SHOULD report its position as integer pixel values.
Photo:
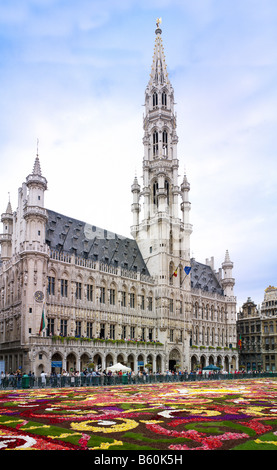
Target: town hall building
(75, 296)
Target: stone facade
(269, 329)
(257, 331)
(250, 337)
(73, 295)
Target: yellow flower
(258, 441)
(255, 411)
(65, 435)
(107, 445)
(87, 426)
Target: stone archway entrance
(97, 362)
(174, 359)
(159, 364)
(202, 362)
(109, 360)
(85, 360)
(57, 363)
(71, 363)
(131, 361)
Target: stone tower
(161, 206)
(163, 233)
(33, 250)
(6, 236)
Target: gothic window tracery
(155, 99)
(155, 191)
(164, 99)
(155, 143)
(166, 185)
(165, 143)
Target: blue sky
(73, 75)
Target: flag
(239, 342)
(187, 269)
(175, 272)
(42, 323)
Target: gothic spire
(37, 169)
(36, 175)
(9, 207)
(158, 75)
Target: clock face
(39, 296)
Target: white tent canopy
(118, 367)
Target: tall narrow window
(123, 299)
(78, 329)
(165, 146)
(170, 242)
(164, 99)
(132, 332)
(51, 285)
(112, 296)
(78, 292)
(63, 328)
(132, 300)
(64, 287)
(112, 331)
(89, 329)
(155, 100)
(155, 191)
(166, 185)
(50, 326)
(124, 332)
(102, 295)
(90, 292)
(102, 330)
(155, 143)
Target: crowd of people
(97, 377)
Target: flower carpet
(211, 415)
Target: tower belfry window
(155, 190)
(164, 99)
(166, 185)
(155, 143)
(165, 144)
(155, 100)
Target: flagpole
(42, 322)
(187, 270)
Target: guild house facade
(73, 295)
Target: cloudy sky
(73, 75)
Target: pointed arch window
(166, 185)
(170, 242)
(165, 143)
(155, 143)
(155, 99)
(155, 191)
(164, 99)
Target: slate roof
(88, 241)
(69, 235)
(203, 277)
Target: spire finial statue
(159, 21)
